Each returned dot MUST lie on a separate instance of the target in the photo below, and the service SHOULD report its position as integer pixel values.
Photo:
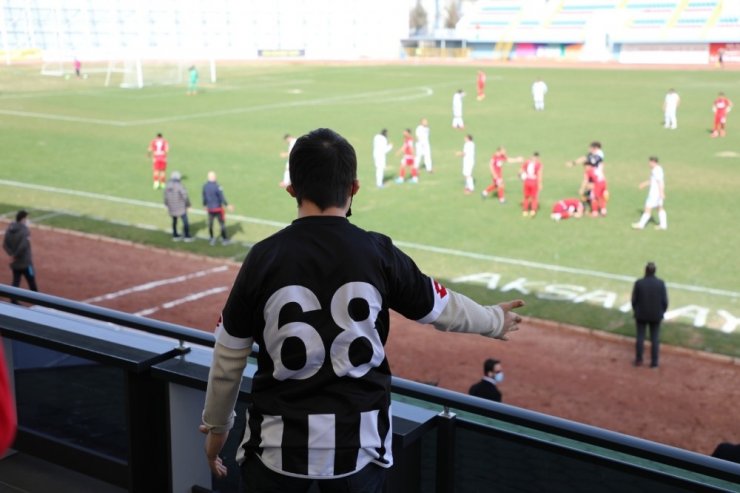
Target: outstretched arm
(461, 314)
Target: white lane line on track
(155, 284)
(180, 301)
(400, 243)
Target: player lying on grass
(316, 298)
(566, 208)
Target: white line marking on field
(406, 244)
(390, 95)
(47, 216)
(155, 284)
(64, 118)
(123, 200)
(180, 301)
(558, 268)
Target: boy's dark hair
(489, 365)
(21, 215)
(323, 166)
(653, 159)
(650, 269)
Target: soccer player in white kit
(423, 147)
(468, 155)
(381, 147)
(290, 140)
(655, 198)
(539, 89)
(457, 109)
(670, 106)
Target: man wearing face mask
(493, 374)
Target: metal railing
(170, 358)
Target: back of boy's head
(323, 167)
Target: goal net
(53, 63)
(135, 74)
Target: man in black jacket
(493, 374)
(649, 302)
(17, 244)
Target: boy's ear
(290, 190)
(355, 187)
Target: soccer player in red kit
(481, 85)
(158, 149)
(594, 181)
(496, 166)
(563, 209)
(531, 174)
(407, 161)
(721, 107)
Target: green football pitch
(75, 147)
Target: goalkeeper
(192, 81)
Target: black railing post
(447, 422)
(147, 433)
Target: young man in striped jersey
(316, 298)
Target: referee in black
(315, 297)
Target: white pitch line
(155, 284)
(64, 118)
(187, 299)
(389, 95)
(417, 246)
(558, 268)
(378, 95)
(123, 200)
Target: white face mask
(499, 377)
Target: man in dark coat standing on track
(649, 302)
(17, 244)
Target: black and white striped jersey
(315, 297)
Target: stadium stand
(191, 29)
(603, 29)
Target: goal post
(137, 73)
(52, 63)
